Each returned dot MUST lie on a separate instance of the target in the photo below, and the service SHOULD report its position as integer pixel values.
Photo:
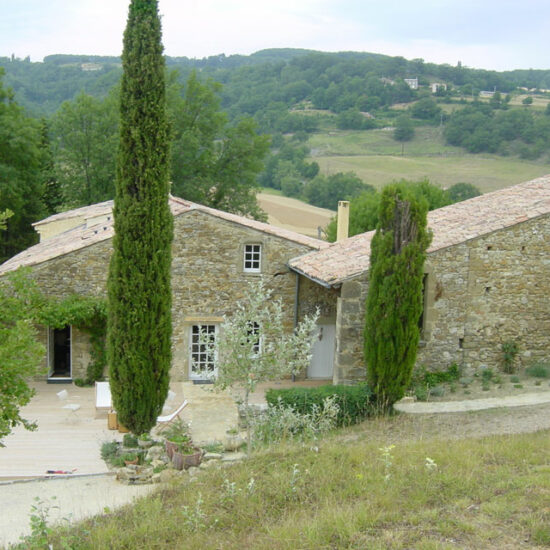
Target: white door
(322, 360)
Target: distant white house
(412, 83)
(91, 66)
(436, 86)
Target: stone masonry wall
(479, 294)
(207, 278)
(313, 296)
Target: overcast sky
(501, 35)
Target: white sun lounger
(103, 401)
(166, 420)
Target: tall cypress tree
(394, 301)
(139, 323)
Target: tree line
(256, 84)
(69, 161)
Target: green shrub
(109, 450)
(421, 393)
(486, 375)
(437, 391)
(283, 422)
(510, 349)
(514, 379)
(538, 370)
(355, 403)
(129, 441)
(435, 378)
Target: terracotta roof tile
(84, 235)
(451, 225)
(91, 211)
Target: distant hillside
(259, 83)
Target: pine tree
(139, 323)
(394, 301)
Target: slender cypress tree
(139, 323)
(394, 301)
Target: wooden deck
(69, 440)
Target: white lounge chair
(166, 420)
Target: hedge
(355, 402)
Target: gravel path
(72, 498)
(521, 400)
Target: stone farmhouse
(487, 281)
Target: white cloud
(509, 35)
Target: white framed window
(252, 258)
(202, 357)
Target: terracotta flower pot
(170, 448)
(181, 461)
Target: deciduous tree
(20, 185)
(214, 163)
(85, 136)
(404, 129)
(20, 352)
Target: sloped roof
(92, 211)
(450, 225)
(85, 235)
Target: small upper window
(252, 258)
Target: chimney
(343, 220)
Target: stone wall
(313, 297)
(479, 294)
(207, 278)
(350, 323)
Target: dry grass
(491, 492)
(294, 214)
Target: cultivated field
(294, 214)
(377, 159)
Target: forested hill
(335, 81)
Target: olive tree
(255, 346)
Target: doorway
(59, 354)
(322, 357)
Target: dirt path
(455, 425)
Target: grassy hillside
(353, 490)
(376, 158)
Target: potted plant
(130, 458)
(145, 441)
(185, 454)
(233, 440)
(180, 448)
